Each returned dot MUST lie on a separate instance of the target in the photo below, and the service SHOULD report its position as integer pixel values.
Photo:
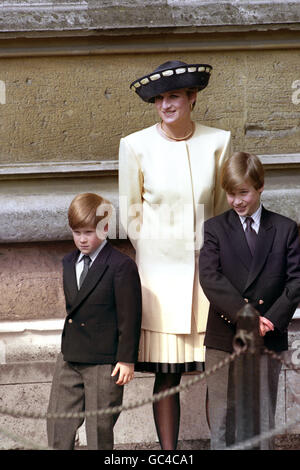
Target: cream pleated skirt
(163, 352)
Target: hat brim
(188, 76)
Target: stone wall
(70, 109)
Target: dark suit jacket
(104, 317)
(228, 275)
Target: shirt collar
(256, 216)
(95, 253)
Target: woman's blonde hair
(241, 167)
(87, 210)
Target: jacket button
(70, 320)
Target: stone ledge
(39, 340)
(35, 212)
(57, 169)
(43, 217)
(177, 40)
(56, 15)
(31, 341)
(51, 325)
(291, 160)
(71, 169)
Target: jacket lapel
(94, 275)
(70, 281)
(263, 247)
(238, 240)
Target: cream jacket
(167, 189)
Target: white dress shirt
(80, 264)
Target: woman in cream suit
(169, 183)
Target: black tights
(167, 411)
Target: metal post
(247, 374)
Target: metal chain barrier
(276, 356)
(154, 398)
(117, 409)
(112, 410)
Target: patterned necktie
(87, 260)
(251, 235)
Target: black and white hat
(172, 75)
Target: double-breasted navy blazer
(103, 319)
(229, 275)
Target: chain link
(279, 358)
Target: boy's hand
(126, 372)
(265, 325)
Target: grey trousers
(221, 398)
(82, 387)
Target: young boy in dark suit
(250, 255)
(101, 332)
